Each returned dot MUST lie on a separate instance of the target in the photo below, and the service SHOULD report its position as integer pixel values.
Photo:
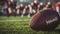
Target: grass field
(19, 25)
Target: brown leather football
(45, 20)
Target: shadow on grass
(56, 30)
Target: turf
(20, 27)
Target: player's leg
(17, 11)
(23, 13)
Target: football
(44, 20)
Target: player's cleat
(28, 15)
(22, 16)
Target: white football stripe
(12, 20)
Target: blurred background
(16, 14)
(23, 7)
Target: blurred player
(9, 8)
(25, 10)
(32, 7)
(17, 8)
(48, 5)
(12, 7)
(40, 6)
(58, 7)
(35, 6)
(6, 9)
(30, 10)
(2, 3)
(20, 9)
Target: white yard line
(12, 20)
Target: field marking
(12, 20)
